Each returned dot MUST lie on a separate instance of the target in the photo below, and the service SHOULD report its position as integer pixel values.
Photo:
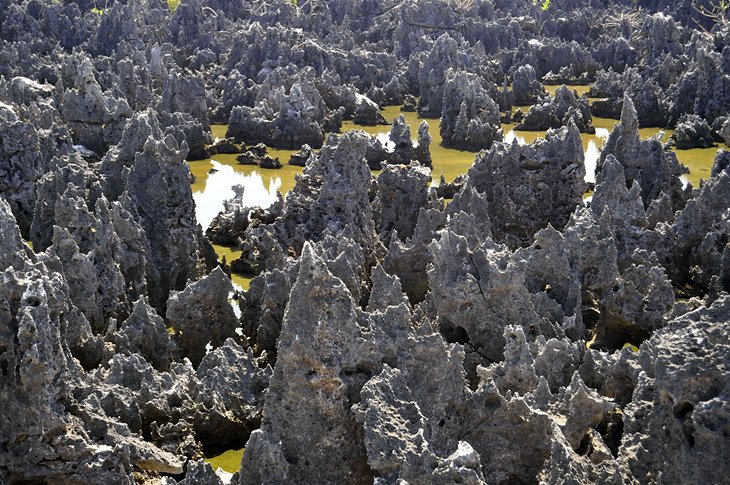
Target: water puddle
(228, 461)
(214, 178)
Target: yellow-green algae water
(229, 461)
(212, 187)
(210, 190)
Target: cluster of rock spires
(517, 334)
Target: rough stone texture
(251, 157)
(232, 386)
(694, 249)
(525, 86)
(144, 333)
(232, 221)
(300, 158)
(321, 366)
(21, 164)
(432, 75)
(367, 112)
(676, 423)
(283, 121)
(200, 473)
(332, 195)
(158, 194)
(725, 132)
(528, 187)
(721, 163)
(201, 314)
(517, 334)
(41, 384)
(692, 132)
(399, 149)
(645, 161)
(469, 116)
(557, 112)
(401, 193)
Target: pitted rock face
(559, 111)
(692, 132)
(678, 397)
(520, 184)
(332, 195)
(645, 161)
(469, 116)
(201, 315)
(516, 334)
(525, 86)
(21, 164)
(402, 192)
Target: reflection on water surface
(215, 177)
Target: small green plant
(543, 4)
(172, 5)
(100, 9)
(631, 347)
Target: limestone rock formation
(645, 161)
(469, 117)
(367, 112)
(201, 314)
(521, 182)
(557, 112)
(525, 86)
(399, 149)
(402, 192)
(676, 410)
(331, 195)
(520, 332)
(282, 120)
(692, 132)
(321, 367)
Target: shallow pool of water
(229, 461)
(240, 282)
(212, 187)
(214, 179)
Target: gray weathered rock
(725, 132)
(521, 184)
(367, 112)
(694, 247)
(332, 194)
(399, 149)
(675, 424)
(401, 193)
(323, 362)
(647, 162)
(525, 86)
(432, 75)
(557, 112)
(44, 416)
(201, 314)
(692, 132)
(21, 164)
(469, 116)
(144, 333)
(721, 163)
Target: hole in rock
(612, 430)
(683, 409)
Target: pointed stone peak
(629, 118)
(12, 247)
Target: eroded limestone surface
(520, 332)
